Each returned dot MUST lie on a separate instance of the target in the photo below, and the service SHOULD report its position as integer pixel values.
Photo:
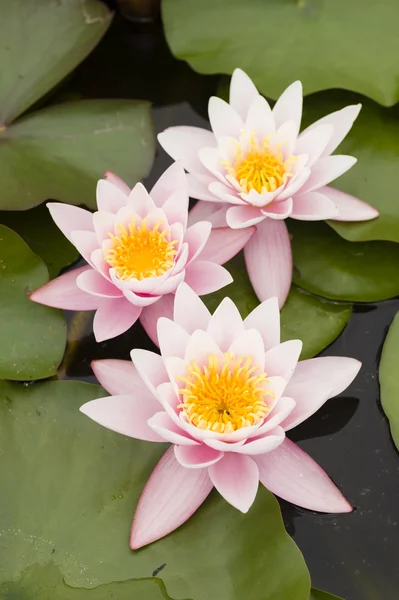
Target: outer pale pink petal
(113, 317)
(197, 457)
(64, 293)
(236, 478)
(326, 169)
(278, 210)
(266, 319)
(313, 206)
(266, 443)
(176, 207)
(250, 343)
(196, 237)
(225, 121)
(117, 181)
(86, 242)
(293, 475)
(110, 197)
(269, 260)
(167, 429)
(150, 315)
(260, 118)
(338, 371)
(119, 377)
(183, 144)
(314, 142)
(342, 121)
(214, 212)
(282, 359)
(289, 106)
(140, 201)
(189, 310)
(140, 301)
(70, 218)
(225, 324)
(126, 414)
(150, 367)
(349, 207)
(205, 277)
(198, 187)
(238, 217)
(170, 182)
(92, 282)
(242, 92)
(173, 339)
(309, 397)
(224, 243)
(171, 496)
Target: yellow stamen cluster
(261, 168)
(141, 252)
(225, 394)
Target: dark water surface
(355, 555)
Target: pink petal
(199, 347)
(127, 415)
(70, 218)
(285, 138)
(198, 187)
(218, 444)
(238, 217)
(223, 118)
(197, 457)
(260, 118)
(170, 182)
(250, 343)
(225, 324)
(113, 317)
(269, 260)
(293, 475)
(342, 121)
(183, 144)
(283, 359)
(224, 243)
(225, 193)
(150, 367)
(171, 496)
(253, 198)
(110, 197)
(283, 407)
(104, 224)
(276, 385)
(171, 284)
(309, 397)
(173, 339)
(313, 206)
(205, 277)
(294, 184)
(289, 106)
(314, 142)
(196, 237)
(138, 300)
(266, 319)
(337, 371)
(170, 400)
(118, 182)
(176, 207)
(98, 262)
(86, 242)
(92, 282)
(349, 207)
(214, 212)
(150, 315)
(189, 310)
(64, 293)
(140, 201)
(212, 161)
(236, 478)
(266, 443)
(326, 169)
(242, 92)
(119, 377)
(279, 210)
(167, 429)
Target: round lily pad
(389, 379)
(319, 595)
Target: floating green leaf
(62, 151)
(332, 267)
(389, 378)
(40, 43)
(32, 336)
(315, 321)
(319, 595)
(87, 481)
(42, 235)
(278, 42)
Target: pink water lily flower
(255, 168)
(138, 249)
(223, 392)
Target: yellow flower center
(140, 252)
(224, 394)
(261, 168)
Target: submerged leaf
(389, 378)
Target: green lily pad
(315, 321)
(319, 595)
(60, 152)
(332, 267)
(40, 43)
(32, 336)
(389, 379)
(87, 480)
(42, 235)
(278, 42)
(47, 583)
(374, 141)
